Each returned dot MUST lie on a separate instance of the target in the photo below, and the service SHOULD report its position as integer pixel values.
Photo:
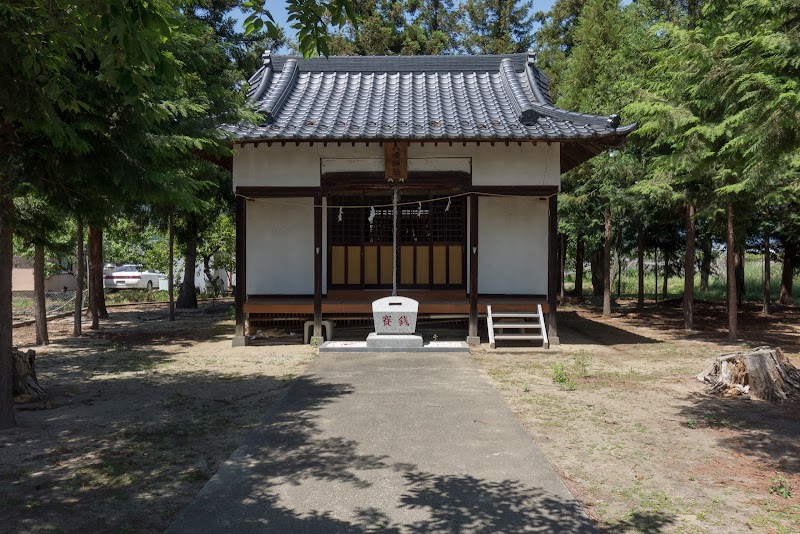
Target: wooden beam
(241, 269)
(552, 269)
(473, 266)
(318, 266)
(360, 180)
(516, 190)
(277, 192)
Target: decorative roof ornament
(266, 76)
(516, 94)
(613, 121)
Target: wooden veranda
(345, 303)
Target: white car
(132, 277)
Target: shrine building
(474, 149)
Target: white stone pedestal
(395, 315)
(395, 322)
(393, 341)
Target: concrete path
(387, 443)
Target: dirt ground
(638, 441)
(143, 412)
(140, 415)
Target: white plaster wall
(300, 165)
(512, 245)
(414, 164)
(280, 246)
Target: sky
(278, 10)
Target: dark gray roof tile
(501, 97)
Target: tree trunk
(187, 299)
(95, 274)
(665, 277)
(579, 253)
(596, 264)
(213, 281)
(171, 281)
(655, 273)
(787, 273)
(39, 301)
(79, 276)
(562, 265)
(619, 274)
(640, 268)
(607, 263)
(7, 419)
(767, 275)
(762, 372)
(26, 385)
(705, 264)
(740, 287)
(688, 271)
(731, 277)
(101, 293)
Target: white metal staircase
(525, 326)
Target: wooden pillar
(552, 269)
(317, 268)
(240, 337)
(473, 337)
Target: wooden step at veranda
(516, 325)
(518, 336)
(536, 323)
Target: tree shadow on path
(334, 487)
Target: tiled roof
(500, 97)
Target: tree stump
(26, 386)
(763, 372)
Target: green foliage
(410, 27)
(780, 485)
(136, 295)
(561, 378)
(497, 26)
(310, 19)
(554, 40)
(218, 243)
(582, 364)
(128, 240)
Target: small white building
(474, 149)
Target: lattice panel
(447, 224)
(349, 230)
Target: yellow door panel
(407, 265)
(337, 265)
(440, 264)
(386, 265)
(370, 265)
(423, 265)
(354, 265)
(455, 264)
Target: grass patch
(125, 296)
(717, 291)
(561, 379)
(582, 364)
(777, 517)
